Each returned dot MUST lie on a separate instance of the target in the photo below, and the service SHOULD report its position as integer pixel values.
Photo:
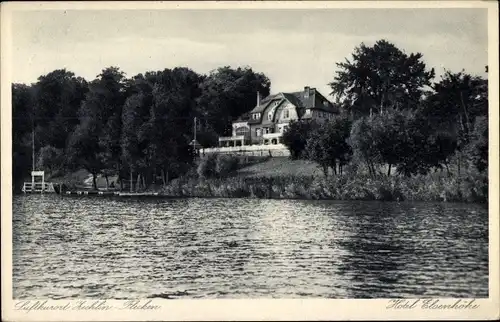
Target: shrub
(436, 186)
(225, 164)
(206, 166)
(50, 159)
(295, 137)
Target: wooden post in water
(33, 150)
(131, 180)
(194, 138)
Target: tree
(109, 93)
(135, 111)
(174, 106)
(94, 144)
(157, 123)
(389, 137)
(49, 108)
(442, 146)
(363, 143)
(22, 118)
(458, 98)
(380, 77)
(479, 144)
(83, 149)
(228, 93)
(295, 137)
(57, 99)
(50, 159)
(327, 145)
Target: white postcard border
(173, 310)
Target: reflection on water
(68, 247)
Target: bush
(206, 166)
(430, 187)
(217, 165)
(225, 164)
(295, 137)
(50, 159)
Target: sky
(293, 47)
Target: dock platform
(112, 193)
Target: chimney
(258, 98)
(307, 91)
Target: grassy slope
(273, 167)
(280, 167)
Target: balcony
(231, 138)
(256, 149)
(234, 141)
(269, 136)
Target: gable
(286, 112)
(269, 114)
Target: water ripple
(88, 247)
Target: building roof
(243, 118)
(264, 103)
(315, 100)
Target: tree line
(394, 116)
(114, 125)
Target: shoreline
(472, 189)
(166, 197)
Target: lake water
(95, 247)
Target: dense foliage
(295, 137)
(217, 165)
(118, 126)
(327, 144)
(380, 77)
(396, 122)
(398, 119)
(434, 187)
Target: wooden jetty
(111, 193)
(91, 192)
(39, 186)
(137, 194)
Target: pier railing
(39, 187)
(256, 149)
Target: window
(269, 116)
(286, 114)
(257, 132)
(243, 130)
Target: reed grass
(432, 187)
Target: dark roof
(263, 103)
(243, 118)
(320, 100)
(315, 100)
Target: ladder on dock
(36, 186)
